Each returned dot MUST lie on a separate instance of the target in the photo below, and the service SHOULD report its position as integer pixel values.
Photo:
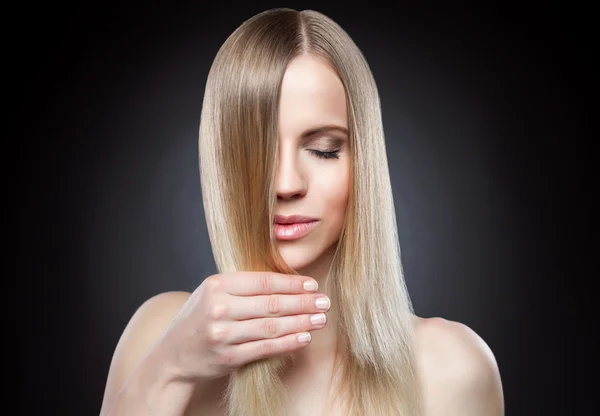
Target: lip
(293, 231)
(292, 219)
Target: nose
(290, 182)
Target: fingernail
(311, 285)
(323, 304)
(304, 338)
(318, 319)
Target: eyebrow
(323, 129)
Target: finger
(250, 307)
(257, 350)
(266, 283)
(268, 328)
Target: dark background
(484, 116)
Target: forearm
(153, 388)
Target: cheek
(333, 190)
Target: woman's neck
(322, 347)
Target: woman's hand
(234, 318)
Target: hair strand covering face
(238, 145)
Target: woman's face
(314, 161)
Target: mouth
(293, 227)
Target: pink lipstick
(293, 227)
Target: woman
(297, 191)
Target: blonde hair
(238, 147)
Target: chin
(303, 256)
(298, 258)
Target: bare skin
(460, 374)
(178, 349)
(178, 346)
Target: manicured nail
(311, 285)
(318, 319)
(304, 338)
(323, 304)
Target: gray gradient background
(476, 108)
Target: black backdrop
(483, 121)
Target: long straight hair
(238, 147)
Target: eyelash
(326, 155)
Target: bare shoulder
(152, 317)
(459, 370)
(143, 330)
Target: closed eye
(326, 155)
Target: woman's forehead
(312, 95)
